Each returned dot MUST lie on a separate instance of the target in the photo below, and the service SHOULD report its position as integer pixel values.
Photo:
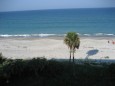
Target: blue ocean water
(85, 21)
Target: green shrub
(42, 72)
(112, 73)
(2, 59)
(35, 66)
(14, 69)
(53, 68)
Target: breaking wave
(55, 35)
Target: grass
(43, 72)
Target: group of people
(113, 42)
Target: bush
(19, 68)
(13, 70)
(35, 67)
(2, 59)
(112, 73)
(53, 68)
(42, 72)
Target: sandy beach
(26, 48)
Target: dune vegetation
(43, 72)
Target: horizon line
(55, 9)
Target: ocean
(43, 23)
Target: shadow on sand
(91, 53)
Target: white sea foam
(78, 33)
(18, 35)
(99, 34)
(45, 35)
(104, 34)
(5, 35)
(49, 35)
(109, 34)
(27, 35)
(86, 34)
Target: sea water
(41, 23)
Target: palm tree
(72, 41)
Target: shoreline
(59, 37)
(54, 47)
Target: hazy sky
(15, 5)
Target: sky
(18, 5)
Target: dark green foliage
(42, 72)
(2, 59)
(53, 68)
(35, 67)
(14, 68)
(112, 73)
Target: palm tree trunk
(70, 56)
(73, 56)
(73, 64)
